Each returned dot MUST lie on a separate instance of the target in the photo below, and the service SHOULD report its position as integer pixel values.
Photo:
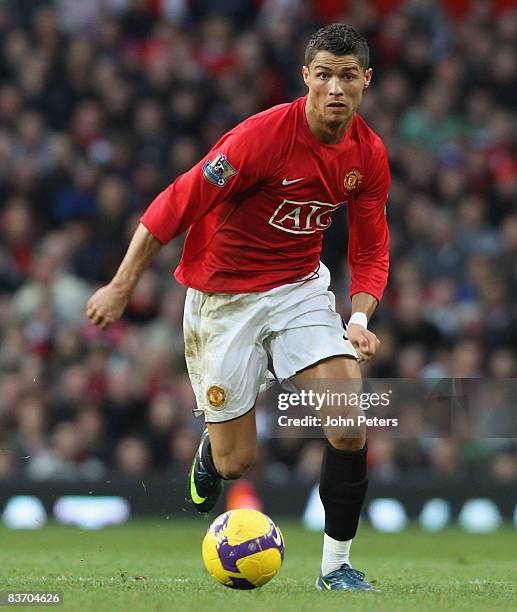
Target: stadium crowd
(104, 103)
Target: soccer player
(255, 208)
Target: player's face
(336, 84)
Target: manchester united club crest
(353, 178)
(216, 396)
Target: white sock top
(335, 553)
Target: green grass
(157, 566)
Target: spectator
(133, 458)
(65, 459)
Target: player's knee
(351, 441)
(232, 465)
(348, 433)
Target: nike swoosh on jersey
(286, 182)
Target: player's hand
(106, 306)
(363, 340)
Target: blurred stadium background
(103, 103)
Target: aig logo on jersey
(219, 170)
(303, 217)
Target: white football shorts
(228, 338)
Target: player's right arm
(109, 302)
(234, 164)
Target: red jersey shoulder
(269, 124)
(254, 146)
(371, 159)
(367, 138)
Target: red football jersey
(257, 205)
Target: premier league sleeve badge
(218, 170)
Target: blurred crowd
(103, 103)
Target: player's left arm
(364, 341)
(368, 254)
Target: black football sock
(343, 486)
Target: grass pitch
(158, 566)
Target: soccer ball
(243, 549)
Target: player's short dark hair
(339, 39)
